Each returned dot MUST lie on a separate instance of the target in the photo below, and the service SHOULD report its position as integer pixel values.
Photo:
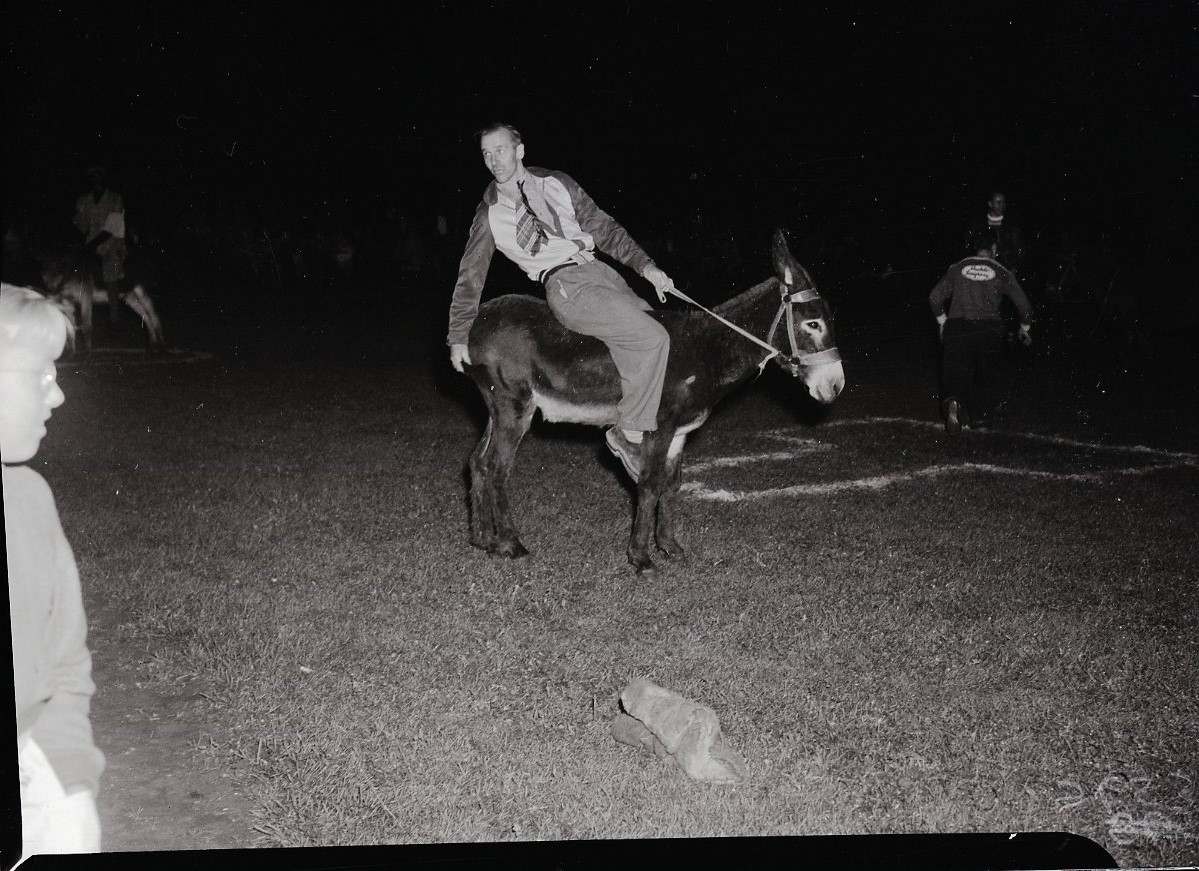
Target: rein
(795, 358)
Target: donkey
(71, 278)
(524, 360)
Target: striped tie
(529, 234)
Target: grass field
(1003, 643)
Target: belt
(545, 276)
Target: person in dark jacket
(966, 304)
(1002, 230)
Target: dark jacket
(1007, 237)
(973, 289)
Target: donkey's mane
(747, 299)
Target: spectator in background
(1002, 230)
(59, 763)
(966, 304)
(100, 218)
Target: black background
(885, 129)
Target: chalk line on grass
(136, 357)
(700, 490)
(806, 446)
(1030, 436)
(813, 447)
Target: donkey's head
(809, 349)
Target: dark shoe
(628, 453)
(953, 423)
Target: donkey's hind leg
(490, 467)
(138, 300)
(85, 294)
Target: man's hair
(32, 322)
(983, 242)
(499, 125)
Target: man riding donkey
(100, 219)
(98, 270)
(545, 223)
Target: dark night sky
(1064, 104)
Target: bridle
(795, 359)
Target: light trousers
(594, 300)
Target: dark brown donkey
(524, 360)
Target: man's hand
(660, 280)
(93, 245)
(941, 319)
(1024, 336)
(459, 354)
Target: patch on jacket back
(978, 272)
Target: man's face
(30, 392)
(997, 204)
(501, 155)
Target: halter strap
(774, 352)
(817, 358)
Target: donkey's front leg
(482, 515)
(649, 489)
(87, 300)
(667, 505)
(512, 422)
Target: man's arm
(63, 729)
(938, 300)
(93, 244)
(938, 297)
(472, 275)
(1016, 242)
(613, 239)
(610, 237)
(1012, 289)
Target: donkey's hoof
(642, 564)
(482, 543)
(672, 550)
(510, 549)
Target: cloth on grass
(670, 725)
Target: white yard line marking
(797, 440)
(775, 456)
(135, 357)
(1031, 436)
(699, 490)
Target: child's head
(33, 333)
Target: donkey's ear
(785, 266)
(778, 245)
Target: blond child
(59, 763)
